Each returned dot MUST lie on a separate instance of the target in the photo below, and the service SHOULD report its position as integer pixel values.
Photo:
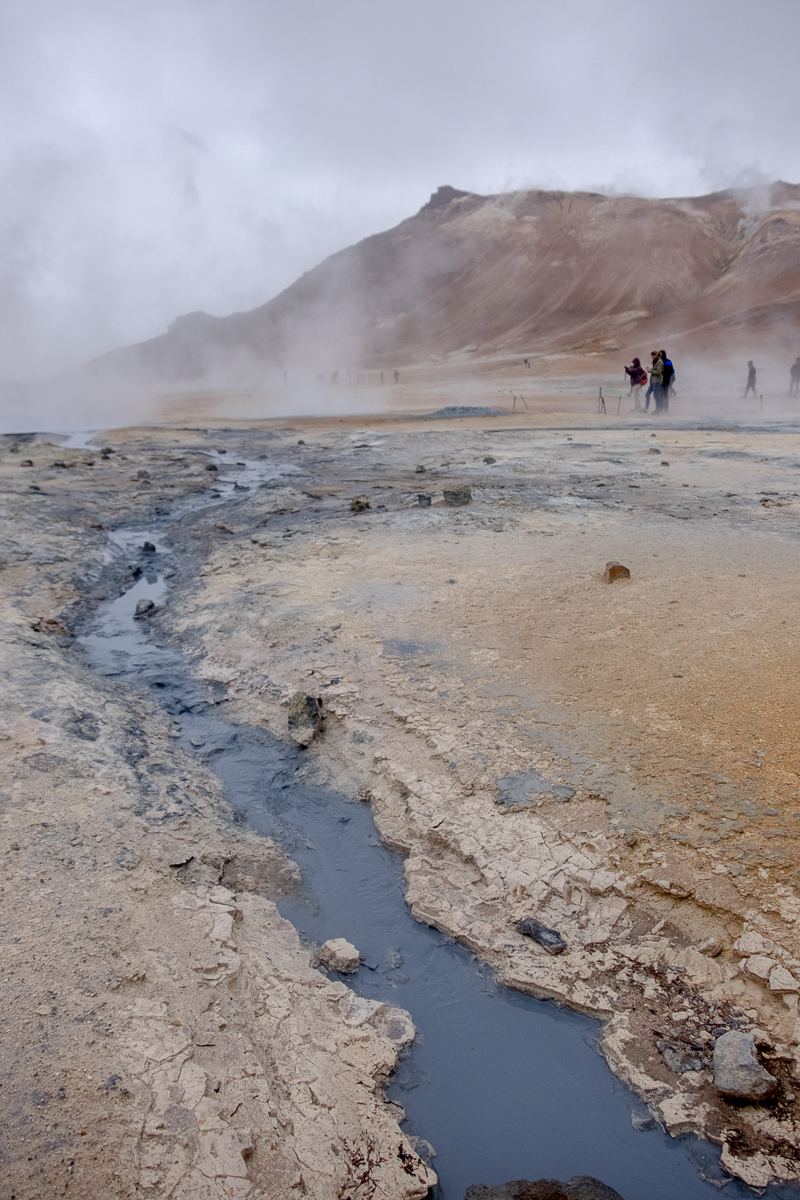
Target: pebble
(737, 1071)
(550, 939)
(359, 504)
(148, 548)
(615, 570)
(305, 718)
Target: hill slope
(514, 273)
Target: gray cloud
(173, 155)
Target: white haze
(165, 156)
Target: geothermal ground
(616, 760)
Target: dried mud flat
(618, 761)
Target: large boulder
(337, 954)
(304, 719)
(580, 1187)
(737, 1072)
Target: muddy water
(501, 1085)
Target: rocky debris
(212, 467)
(148, 548)
(614, 571)
(642, 1119)
(419, 469)
(653, 449)
(26, 462)
(550, 939)
(337, 954)
(106, 451)
(144, 608)
(49, 625)
(488, 459)
(142, 474)
(664, 463)
(580, 1187)
(737, 1072)
(458, 496)
(711, 947)
(359, 504)
(423, 500)
(305, 718)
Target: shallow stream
(503, 1086)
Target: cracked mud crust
(617, 762)
(164, 1032)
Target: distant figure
(527, 362)
(656, 373)
(794, 375)
(667, 378)
(335, 377)
(638, 377)
(397, 376)
(751, 380)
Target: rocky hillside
(516, 273)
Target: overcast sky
(163, 156)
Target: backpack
(669, 371)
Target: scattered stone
(781, 980)
(148, 548)
(359, 504)
(142, 474)
(26, 462)
(664, 463)
(615, 570)
(144, 608)
(212, 467)
(49, 625)
(711, 947)
(423, 500)
(653, 450)
(59, 464)
(550, 939)
(580, 1187)
(737, 1071)
(337, 954)
(488, 459)
(104, 453)
(753, 943)
(305, 718)
(760, 966)
(457, 497)
(419, 470)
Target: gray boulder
(144, 608)
(456, 497)
(580, 1187)
(737, 1072)
(305, 718)
(337, 954)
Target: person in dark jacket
(794, 377)
(751, 380)
(638, 377)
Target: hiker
(656, 372)
(396, 376)
(638, 377)
(751, 380)
(667, 377)
(794, 376)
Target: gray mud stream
(503, 1086)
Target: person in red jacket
(638, 378)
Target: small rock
(142, 474)
(760, 966)
(104, 453)
(737, 1071)
(653, 450)
(550, 939)
(664, 463)
(423, 500)
(305, 718)
(212, 467)
(148, 548)
(753, 943)
(26, 462)
(337, 954)
(711, 947)
(457, 497)
(615, 570)
(359, 504)
(781, 980)
(59, 464)
(420, 470)
(143, 609)
(488, 459)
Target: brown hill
(516, 273)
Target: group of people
(662, 382)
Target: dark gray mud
(503, 1086)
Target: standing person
(794, 377)
(396, 376)
(638, 377)
(751, 379)
(667, 376)
(656, 375)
